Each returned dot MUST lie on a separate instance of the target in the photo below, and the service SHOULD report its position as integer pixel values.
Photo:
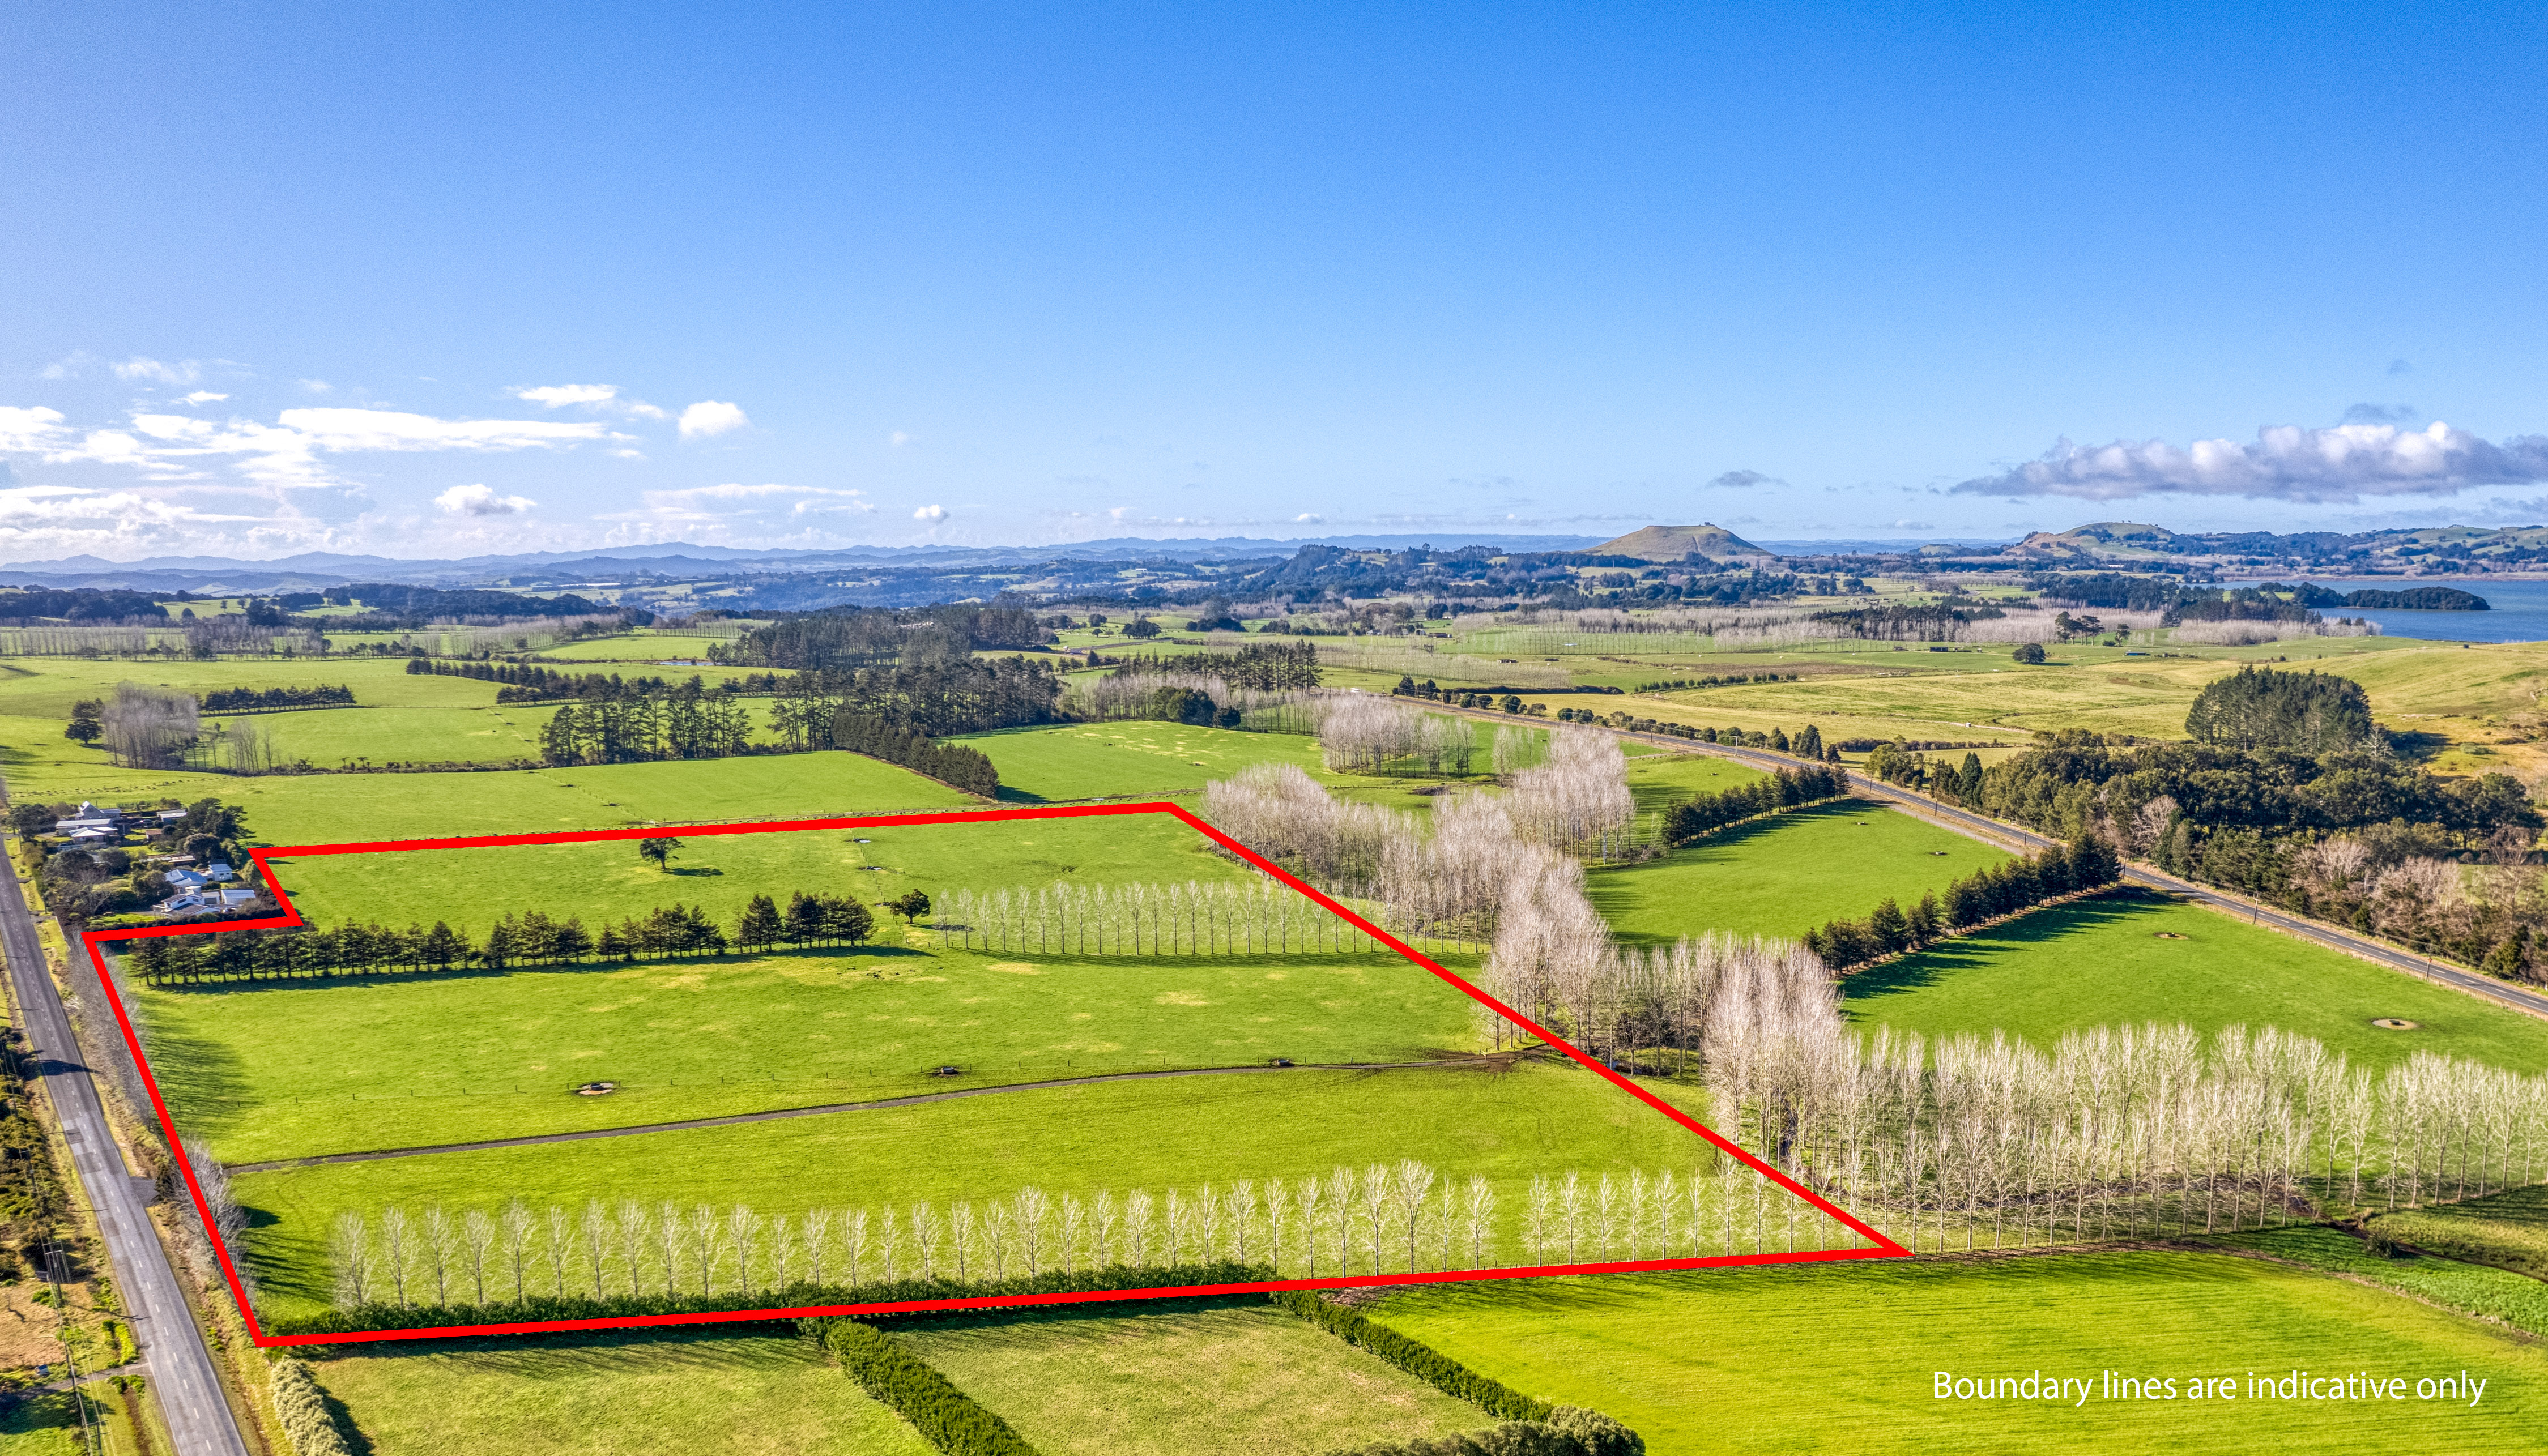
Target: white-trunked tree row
(1381, 1218)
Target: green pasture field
(2508, 1228)
(349, 808)
(45, 688)
(1661, 778)
(642, 1393)
(605, 879)
(2133, 957)
(1844, 1358)
(1537, 1117)
(1971, 691)
(332, 738)
(646, 645)
(1781, 876)
(1140, 758)
(1131, 760)
(2493, 1294)
(290, 1070)
(1250, 1380)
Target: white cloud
(551, 396)
(285, 455)
(390, 430)
(2286, 462)
(138, 367)
(929, 514)
(898, 440)
(1307, 518)
(712, 417)
(736, 490)
(203, 397)
(315, 386)
(482, 500)
(29, 430)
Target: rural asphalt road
(181, 1368)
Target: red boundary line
(1885, 1249)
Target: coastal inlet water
(2520, 614)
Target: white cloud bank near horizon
(2342, 463)
(167, 465)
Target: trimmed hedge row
(370, 1316)
(1788, 788)
(948, 1418)
(302, 1407)
(1569, 1431)
(1415, 1357)
(1979, 897)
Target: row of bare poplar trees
(1380, 1219)
(2114, 1131)
(1259, 917)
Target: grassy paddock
(2135, 957)
(605, 879)
(2508, 1228)
(637, 1395)
(1247, 1379)
(338, 809)
(2492, 1294)
(1131, 760)
(1134, 759)
(1783, 874)
(1845, 1358)
(270, 1071)
(1504, 1125)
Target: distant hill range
(2432, 549)
(315, 571)
(1367, 564)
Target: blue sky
(278, 277)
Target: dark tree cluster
(418, 604)
(2089, 864)
(2077, 781)
(1716, 680)
(691, 721)
(2417, 599)
(1265, 666)
(881, 738)
(1788, 788)
(1906, 623)
(2266, 708)
(531, 938)
(852, 637)
(268, 700)
(26, 605)
(2113, 591)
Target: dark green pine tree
(761, 924)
